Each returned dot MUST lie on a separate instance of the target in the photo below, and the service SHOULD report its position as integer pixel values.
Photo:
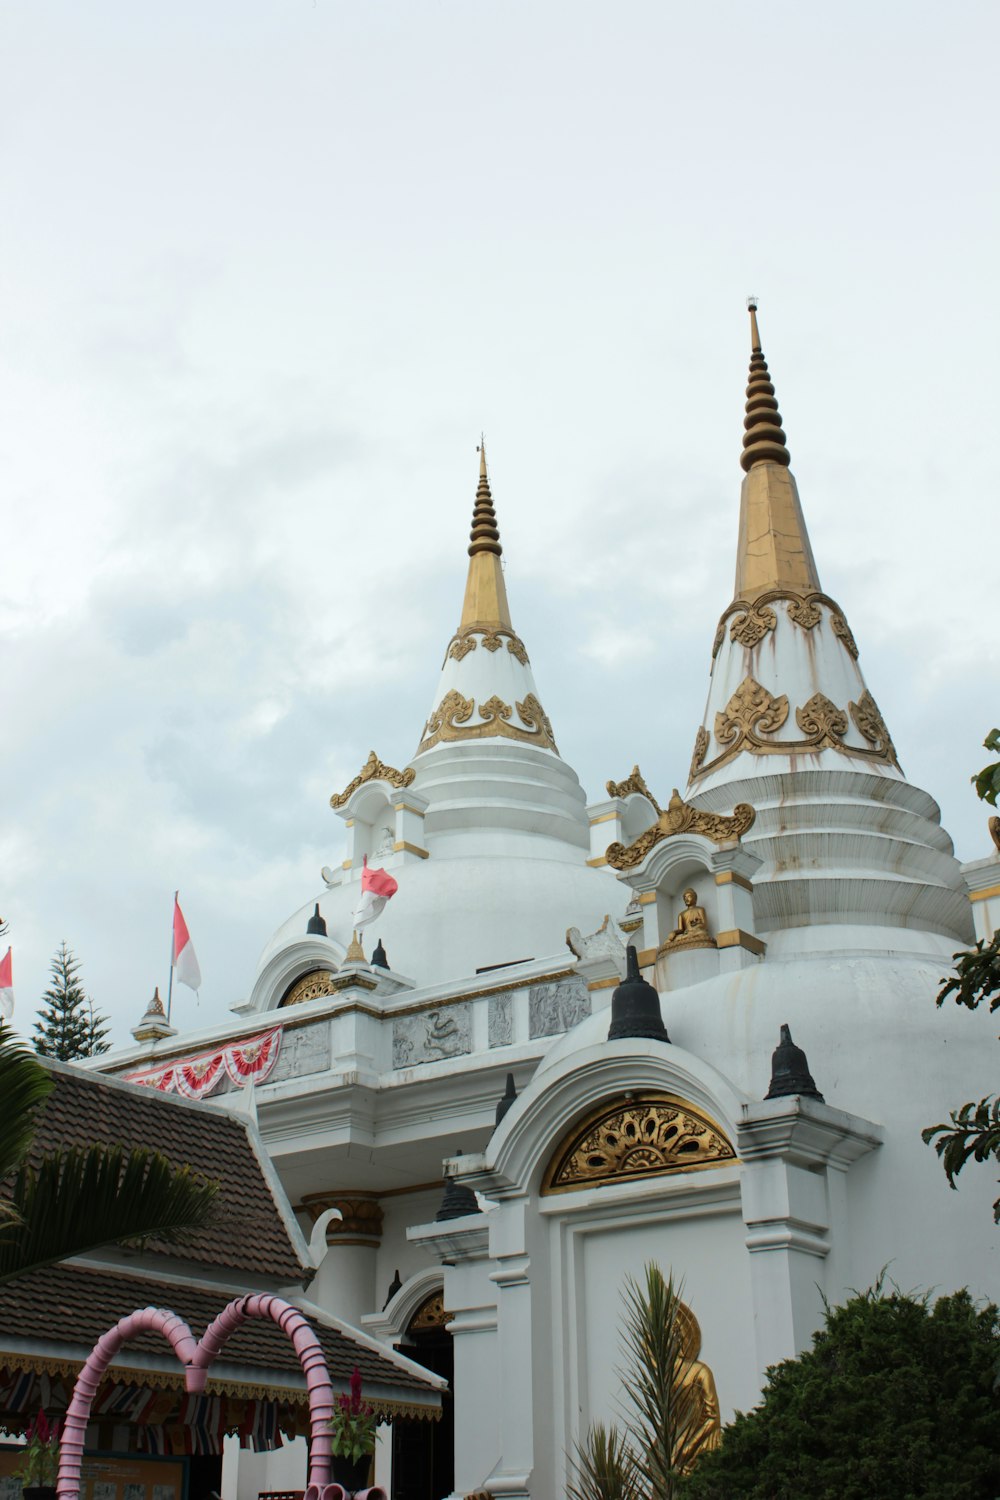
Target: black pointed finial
(790, 1071)
(457, 1200)
(316, 923)
(507, 1098)
(635, 1006)
(379, 956)
(395, 1286)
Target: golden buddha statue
(692, 927)
(705, 1429)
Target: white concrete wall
(246, 1474)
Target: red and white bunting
(247, 1061)
(252, 1061)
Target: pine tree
(97, 1030)
(68, 1025)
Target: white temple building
(801, 881)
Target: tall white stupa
(485, 829)
(747, 1114)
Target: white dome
(451, 917)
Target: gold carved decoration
(805, 612)
(310, 987)
(452, 720)
(822, 721)
(373, 770)
(680, 817)
(493, 637)
(749, 629)
(701, 743)
(843, 631)
(461, 646)
(869, 720)
(751, 620)
(633, 783)
(753, 713)
(430, 1314)
(646, 1135)
(361, 1216)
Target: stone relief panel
(432, 1035)
(558, 1006)
(501, 1020)
(304, 1049)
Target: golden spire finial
(773, 550)
(485, 593)
(763, 441)
(484, 536)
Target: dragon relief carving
(373, 770)
(680, 817)
(452, 720)
(753, 716)
(752, 620)
(643, 1137)
(492, 640)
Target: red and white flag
(376, 888)
(185, 964)
(6, 986)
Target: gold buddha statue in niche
(705, 1428)
(692, 927)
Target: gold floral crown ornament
(677, 817)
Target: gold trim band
(401, 844)
(737, 938)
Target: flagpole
(170, 981)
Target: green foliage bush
(896, 1400)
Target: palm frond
(605, 1468)
(667, 1415)
(79, 1199)
(24, 1083)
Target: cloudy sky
(267, 267)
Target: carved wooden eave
(678, 817)
(644, 1135)
(373, 770)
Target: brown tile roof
(248, 1233)
(73, 1305)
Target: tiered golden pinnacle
(485, 536)
(763, 441)
(485, 606)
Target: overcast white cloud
(266, 269)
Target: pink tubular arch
(196, 1358)
(146, 1320)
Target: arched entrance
(423, 1453)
